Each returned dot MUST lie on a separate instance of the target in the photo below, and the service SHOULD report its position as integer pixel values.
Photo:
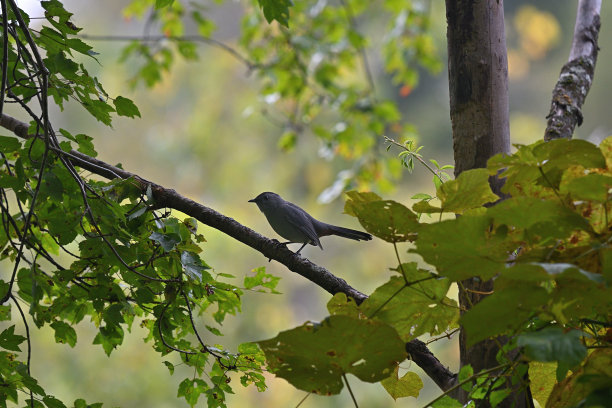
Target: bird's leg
(302, 247)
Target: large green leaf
(540, 220)
(504, 311)
(594, 375)
(386, 219)
(314, 357)
(463, 247)
(555, 344)
(470, 190)
(592, 187)
(414, 306)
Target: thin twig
(27, 330)
(157, 38)
(348, 386)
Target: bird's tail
(346, 233)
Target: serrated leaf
(262, 279)
(9, 340)
(313, 357)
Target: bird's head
(266, 200)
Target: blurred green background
(202, 133)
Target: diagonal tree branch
(576, 75)
(272, 249)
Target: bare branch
(576, 75)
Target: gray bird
(296, 225)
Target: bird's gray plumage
(296, 225)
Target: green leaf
(167, 240)
(414, 308)
(464, 247)
(9, 340)
(9, 144)
(554, 344)
(170, 366)
(64, 333)
(52, 402)
(276, 10)
(466, 372)
(386, 219)
(447, 402)
(99, 109)
(194, 267)
(592, 187)
(563, 153)
(470, 190)
(313, 357)
(191, 389)
(287, 141)
(341, 304)
(594, 374)
(540, 219)
(5, 310)
(262, 279)
(497, 396)
(504, 311)
(162, 3)
(408, 386)
(109, 337)
(423, 207)
(125, 107)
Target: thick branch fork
(271, 249)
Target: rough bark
(576, 75)
(478, 84)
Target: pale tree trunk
(478, 83)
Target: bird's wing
(305, 225)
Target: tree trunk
(478, 83)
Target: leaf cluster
(546, 248)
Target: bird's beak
(252, 200)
